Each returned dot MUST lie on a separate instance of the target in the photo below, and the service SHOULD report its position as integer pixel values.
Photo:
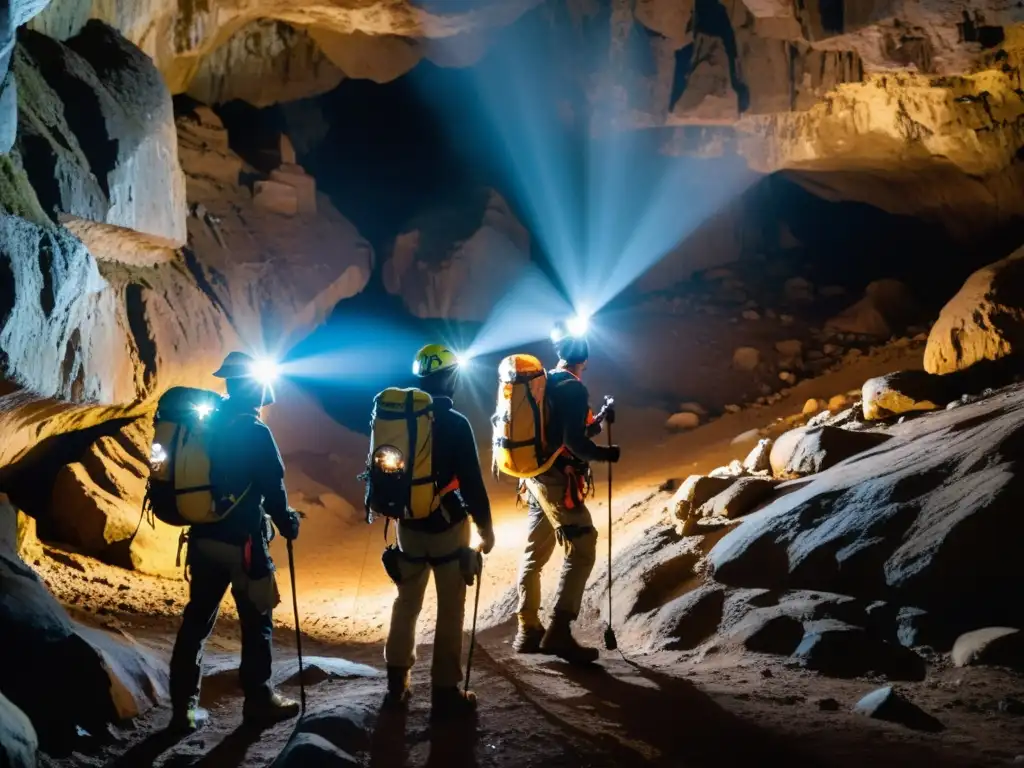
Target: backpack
(180, 492)
(400, 482)
(519, 444)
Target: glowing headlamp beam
(265, 371)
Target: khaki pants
(578, 537)
(400, 649)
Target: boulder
(112, 677)
(683, 623)
(837, 649)
(18, 742)
(694, 492)
(903, 392)
(887, 307)
(458, 261)
(991, 646)
(308, 750)
(789, 347)
(746, 358)
(798, 289)
(759, 459)
(696, 408)
(811, 407)
(346, 726)
(807, 450)
(903, 522)
(738, 499)
(766, 630)
(682, 421)
(983, 321)
(887, 704)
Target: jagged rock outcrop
(98, 126)
(984, 321)
(265, 62)
(457, 261)
(902, 523)
(111, 677)
(110, 315)
(187, 40)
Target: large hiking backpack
(180, 491)
(400, 482)
(519, 444)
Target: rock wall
(100, 311)
(456, 262)
(186, 39)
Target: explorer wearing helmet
(439, 544)
(248, 476)
(557, 512)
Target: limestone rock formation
(113, 156)
(112, 678)
(903, 392)
(807, 450)
(456, 262)
(991, 646)
(18, 741)
(98, 317)
(983, 321)
(265, 62)
(902, 523)
(221, 49)
(887, 307)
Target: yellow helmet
(434, 358)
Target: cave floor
(665, 709)
(670, 709)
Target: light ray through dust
(603, 210)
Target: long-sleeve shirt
(243, 456)
(455, 457)
(570, 409)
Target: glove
(486, 539)
(290, 529)
(614, 452)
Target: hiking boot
(189, 720)
(558, 641)
(268, 709)
(398, 687)
(452, 702)
(528, 639)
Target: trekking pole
(476, 607)
(610, 641)
(298, 633)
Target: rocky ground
(539, 712)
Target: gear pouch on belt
(390, 559)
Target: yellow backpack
(400, 482)
(519, 445)
(180, 491)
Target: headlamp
(202, 410)
(389, 459)
(578, 325)
(265, 371)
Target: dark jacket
(455, 457)
(244, 456)
(570, 409)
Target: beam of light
(265, 370)
(524, 314)
(603, 210)
(578, 325)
